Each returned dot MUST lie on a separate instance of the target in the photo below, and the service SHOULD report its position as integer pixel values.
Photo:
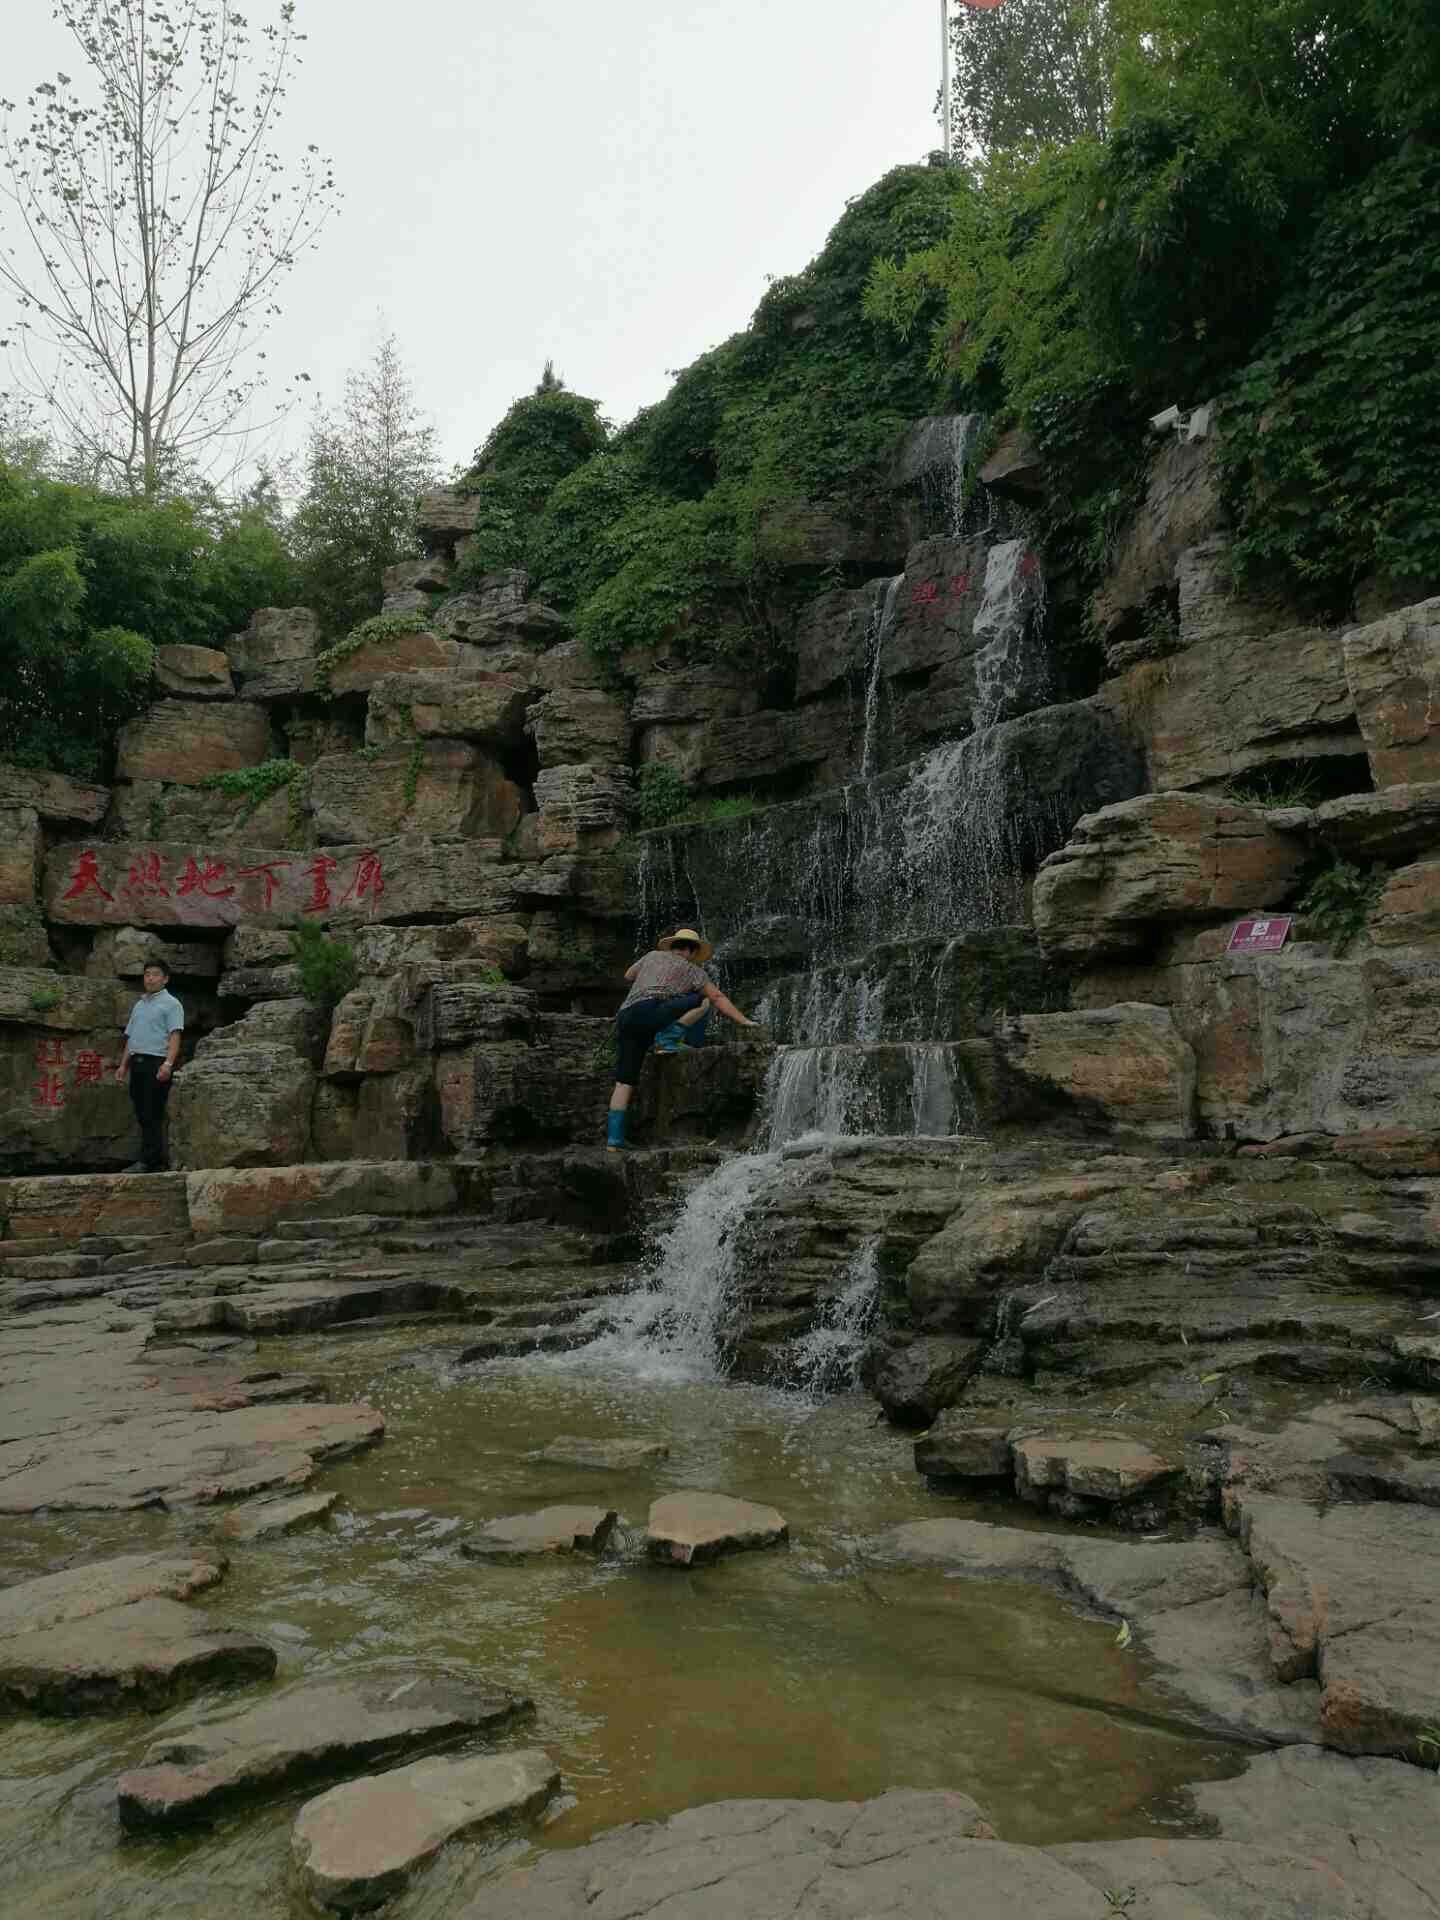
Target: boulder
(1351, 1597)
(1238, 703)
(445, 952)
(1104, 1468)
(579, 724)
(445, 513)
(275, 637)
(23, 939)
(603, 1456)
(919, 1381)
(181, 742)
(490, 621)
(1393, 667)
(70, 1207)
(520, 1536)
(831, 634)
(193, 673)
(318, 1728)
(54, 796)
(21, 849)
(685, 1529)
(268, 1519)
(489, 708)
(1134, 869)
(999, 1240)
(1396, 823)
(1212, 609)
(242, 1101)
(956, 1449)
(1213, 1880)
(228, 1201)
(1014, 467)
(1181, 508)
(1121, 1067)
(441, 787)
(690, 691)
(583, 809)
(148, 1654)
(1408, 913)
(418, 651)
(125, 954)
(568, 665)
(358, 1845)
(428, 575)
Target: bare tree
(154, 223)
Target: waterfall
(935, 456)
(672, 1326)
(882, 624)
(847, 1091)
(827, 1358)
(1011, 669)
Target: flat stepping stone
(956, 1450)
(319, 1729)
(102, 1585)
(1092, 1466)
(150, 1654)
(552, 1530)
(687, 1527)
(613, 1456)
(358, 1845)
(270, 1518)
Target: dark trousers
(148, 1095)
(636, 1027)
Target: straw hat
(703, 947)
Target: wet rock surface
(319, 1728)
(358, 1845)
(603, 1456)
(685, 1528)
(551, 1530)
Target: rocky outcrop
(182, 742)
(1126, 1068)
(1180, 510)
(1133, 870)
(521, 1536)
(1393, 669)
(193, 673)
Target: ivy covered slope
(669, 521)
(1258, 225)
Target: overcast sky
(606, 186)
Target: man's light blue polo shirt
(152, 1021)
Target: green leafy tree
(154, 222)
(1031, 73)
(544, 437)
(366, 466)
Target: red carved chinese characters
(926, 594)
(49, 1091)
(144, 881)
(89, 1069)
(320, 872)
(202, 880)
(368, 879)
(270, 871)
(85, 877)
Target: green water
(804, 1672)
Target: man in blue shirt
(152, 1046)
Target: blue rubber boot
(615, 1139)
(670, 1039)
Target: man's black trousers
(148, 1095)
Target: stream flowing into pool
(807, 1671)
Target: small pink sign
(1262, 936)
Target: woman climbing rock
(667, 1006)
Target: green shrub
(328, 969)
(254, 785)
(1340, 899)
(661, 794)
(43, 999)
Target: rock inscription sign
(1262, 936)
(102, 885)
(58, 1069)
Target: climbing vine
(254, 786)
(384, 626)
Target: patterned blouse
(664, 976)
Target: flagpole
(946, 107)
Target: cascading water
(881, 626)
(827, 1358)
(672, 1325)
